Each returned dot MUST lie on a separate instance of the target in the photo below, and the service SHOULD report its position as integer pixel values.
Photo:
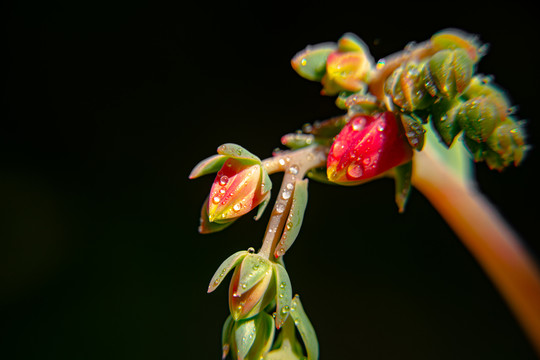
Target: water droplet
(286, 194)
(251, 250)
(244, 286)
(280, 208)
(380, 126)
(223, 180)
(222, 191)
(355, 171)
(289, 225)
(280, 296)
(281, 162)
(216, 199)
(285, 309)
(237, 207)
(236, 295)
(290, 186)
(216, 283)
(283, 285)
(293, 170)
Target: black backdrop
(109, 106)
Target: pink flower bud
(366, 147)
(237, 189)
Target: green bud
(407, 89)
(443, 118)
(478, 117)
(507, 142)
(448, 72)
(248, 339)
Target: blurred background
(109, 106)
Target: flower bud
(241, 184)
(457, 39)
(310, 63)
(366, 147)
(506, 145)
(406, 88)
(345, 71)
(251, 288)
(478, 117)
(448, 72)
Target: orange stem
(487, 236)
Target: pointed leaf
(226, 336)
(306, 330)
(414, 131)
(253, 269)
(208, 166)
(263, 206)
(296, 215)
(231, 262)
(237, 152)
(283, 294)
(244, 334)
(206, 226)
(403, 174)
(265, 336)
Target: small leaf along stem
(295, 164)
(486, 235)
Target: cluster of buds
(259, 287)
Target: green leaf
(306, 330)
(443, 118)
(297, 141)
(310, 63)
(295, 218)
(283, 294)
(403, 174)
(238, 152)
(253, 269)
(230, 263)
(207, 166)
(245, 332)
(226, 336)
(265, 336)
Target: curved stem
(487, 236)
(295, 164)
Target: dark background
(109, 106)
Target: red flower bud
(237, 189)
(366, 147)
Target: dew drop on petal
(281, 162)
(237, 207)
(355, 171)
(216, 199)
(286, 194)
(251, 250)
(223, 180)
(280, 208)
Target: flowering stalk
(403, 116)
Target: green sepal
(351, 42)
(238, 152)
(207, 166)
(253, 269)
(358, 102)
(262, 206)
(444, 121)
(402, 176)
(283, 294)
(294, 220)
(230, 263)
(310, 63)
(226, 338)
(245, 332)
(306, 330)
(320, 175)
(414, 131)
(206, 226)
